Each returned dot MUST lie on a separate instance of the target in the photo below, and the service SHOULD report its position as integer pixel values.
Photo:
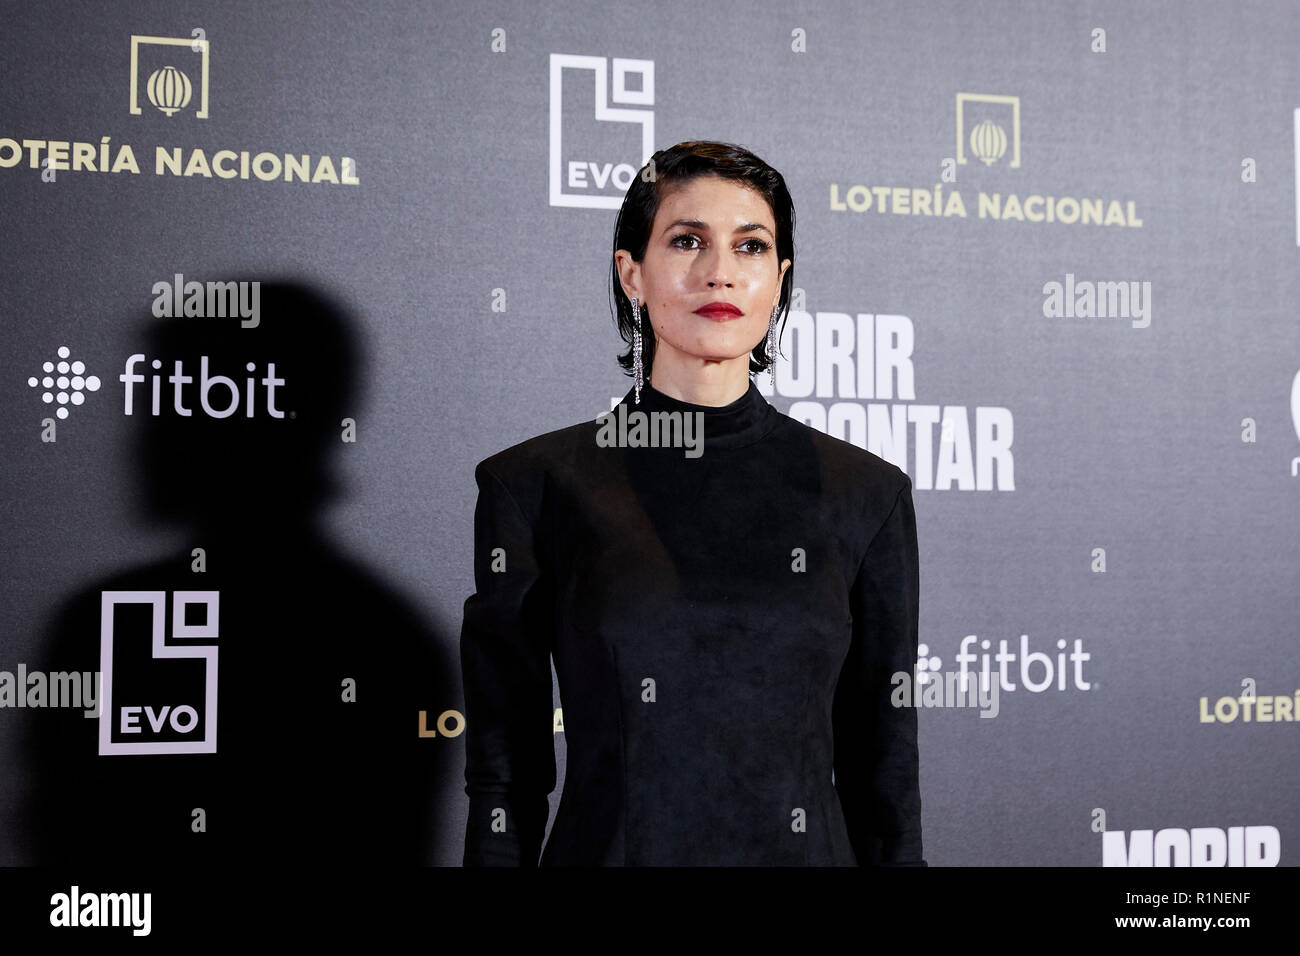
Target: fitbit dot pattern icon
(926, 665)
(64, 382)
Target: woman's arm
(505, 647)
(876, 764)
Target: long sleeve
(876, 760)
(505, 648)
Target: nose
(719, 276)
(715, 267)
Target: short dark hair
(673, 167)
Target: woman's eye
(753, 247)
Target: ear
(785, 265)
(629, 274)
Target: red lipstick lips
(719, 311)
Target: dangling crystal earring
(636, 348)
(771, 351)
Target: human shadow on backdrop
(301, 773)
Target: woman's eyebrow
(700, 224)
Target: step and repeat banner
(277, 276)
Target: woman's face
(713, 241)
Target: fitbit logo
(65, 385)
(64, 382)
(219, 396)
(1038, 671)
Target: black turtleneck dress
(724, 629)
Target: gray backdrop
(473, 252)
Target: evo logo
(575, 178)
(159, 694)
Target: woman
(724, 625)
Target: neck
(707, 383)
